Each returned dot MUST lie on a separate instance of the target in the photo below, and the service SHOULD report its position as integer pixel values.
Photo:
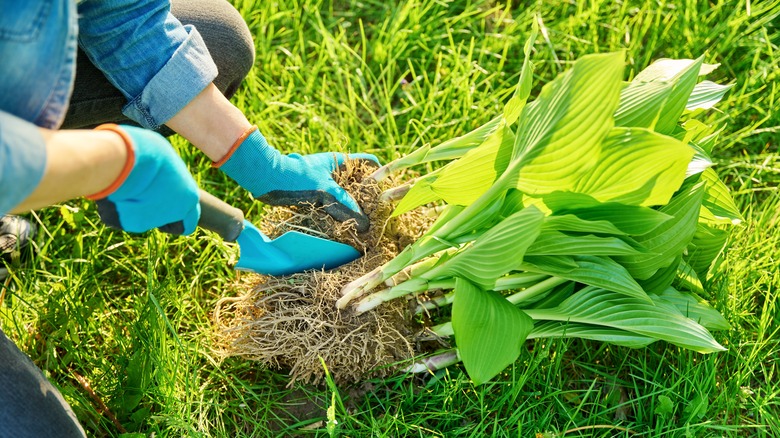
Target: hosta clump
(591, 211)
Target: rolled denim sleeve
(22, 160)
(156, 62)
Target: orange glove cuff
(128, 164)
(235, 146)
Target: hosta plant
(591, 211)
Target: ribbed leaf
(476, 220)
(604, 308)
(572, 223)
(704, 248)
(718, 201)
(630, 219)
(693, 307)
(551, 299)
(551, 242)
(636, 167)
(446, 214)
(662, 278)
(700, 162)
(496, 252)
(602, 272)
(700, 134)
(560, 133)
(554, 329)
(463, 181)
(516, 103)
(684, 82)
(706, 94)
(657, 96)
(641, 103)
(687, 279)
(666, 242)
(550, 265)
(489, 330)
(421, 193)
(452, 148)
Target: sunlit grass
(131, 314)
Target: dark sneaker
(16, 235)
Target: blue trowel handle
(218, 216)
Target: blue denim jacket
(156, 62)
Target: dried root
(291, 322)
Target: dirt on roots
(291, 323)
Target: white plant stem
(435, 362)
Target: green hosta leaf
(455, 147)
(514, 107)
(489, 330)
(684, 82)
(706, 94)
(560, 133)
(657, 96)
(709, 141)
(692, 131)
(421, 193)
(496, 252)
(666, 242)
(693, 307)
(718, 201)
(554, 329)
(572, 223)
(636, 167)
(449, 212)
(630, 219)
(641, 103)
(551, 242)
(700, 134)
(551, 265)
(687, 279)
(551, 299)
(662, 278)
(513, 202)
(596, 271)
(605, 308)
(463, 181)
(485, 217)
(706, 245)
(669, 70)
(700, 162)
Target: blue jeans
(29, 405)
(28, 31)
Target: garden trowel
(287, 254)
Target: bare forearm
(78, 163)
(210, 122)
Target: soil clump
(291, 322)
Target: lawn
(122, 323)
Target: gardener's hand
(278, 179)
(155, 189)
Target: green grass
(131, 314)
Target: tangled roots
(292, 322)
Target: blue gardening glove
(155, 190)
(278, 179)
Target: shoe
(16, 234)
